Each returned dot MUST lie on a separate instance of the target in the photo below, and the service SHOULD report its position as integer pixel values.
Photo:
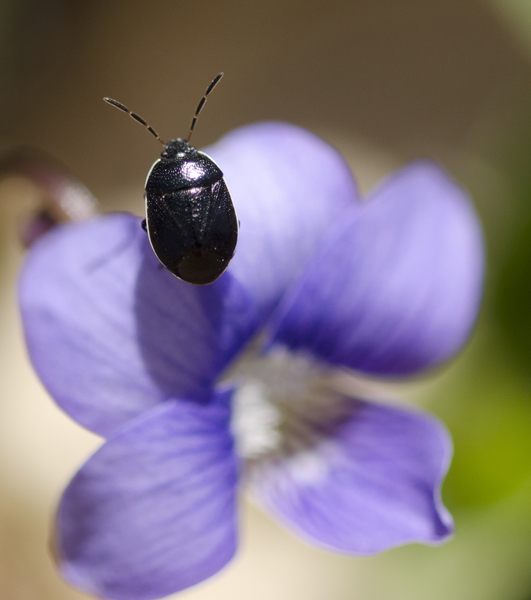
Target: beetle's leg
(144, 225)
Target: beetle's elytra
(190, 218)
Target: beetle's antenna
(135, 117)
(199, 108)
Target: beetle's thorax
(177, 148)
(181, 167)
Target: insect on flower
(200, 389)
(190, 217)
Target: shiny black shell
(190, 217)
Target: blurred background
(386, 82)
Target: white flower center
(286, 407)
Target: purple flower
(198, 388)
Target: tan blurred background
(386, 82)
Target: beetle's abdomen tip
(201, 266)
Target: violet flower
(199, 388)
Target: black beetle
(190, 218)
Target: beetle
(190, 217)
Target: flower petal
(288, 187)
(112, 334)
(153, 511)
(398, 285)
(364, 483)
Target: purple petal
(153, 511)
(111, 334)
(398, 285)
(289, 187)
(366, 483)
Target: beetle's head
(176, 148)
